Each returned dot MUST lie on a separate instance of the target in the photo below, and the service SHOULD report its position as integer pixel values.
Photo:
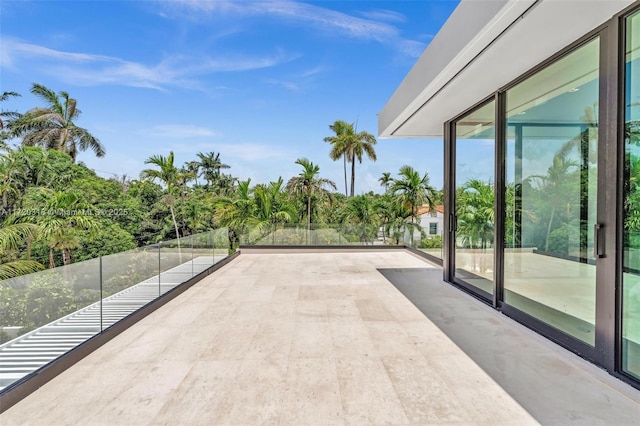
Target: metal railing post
(101, 296)
(159, 269)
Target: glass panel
(551, 193)
(45, 314)
(474, 168)
(130, 281)
(221, 243)
(203, 255)
(175, 263)
(631, 241)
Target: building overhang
(483, 46)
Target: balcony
(363, 336)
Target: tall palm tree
(309, 185)
(412, 191)
(351, 145)
(53, 126)
(385, 180)
(169, 176)
(339, 143)
(361, 143)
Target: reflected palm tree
(475, 212)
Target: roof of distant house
(426, 209)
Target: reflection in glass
(551, 193)
(631, 241)
(474, 168)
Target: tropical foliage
(52, 126)
(55, 211)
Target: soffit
(507, 46)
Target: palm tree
(554, 186)
(52, 126)
(475, 212)
(361, 143)
(236, 211)
(351, 146)
(192, 168)
(362, 211)
(11, 236)
(309, 185)
(12, 174)
(385, 180)
(339, 145)
(64, 214)
(271, 207)
(169, 176)
(412, 191)
(210, 166)
(11, 115)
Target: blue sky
(259, 82)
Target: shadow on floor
(552, 384)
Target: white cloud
(178, 131)
(317, 17)
(254, 152)
(249, 152)
(384, 15)
(289, 85)
(313, 71)
(91, 69)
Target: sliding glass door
(631, 207)
(551, 194)
(473, 221)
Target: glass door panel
(631, 237)
(551, 194)
(474, 197)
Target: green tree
(61, 216)
(309, 186)
(350, 145)
(12, 235)
(413, 191)
(554, 187)
(339, 144)
(272, 207)
(53, 126)
(168, 174)
(385, 180)
(8, 116)
(361, 210)
(475, 212)
(210, 167)
(235, 212)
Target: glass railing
(47, 313)
(338, 235)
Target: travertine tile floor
(292, 339)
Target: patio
(326, 338)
